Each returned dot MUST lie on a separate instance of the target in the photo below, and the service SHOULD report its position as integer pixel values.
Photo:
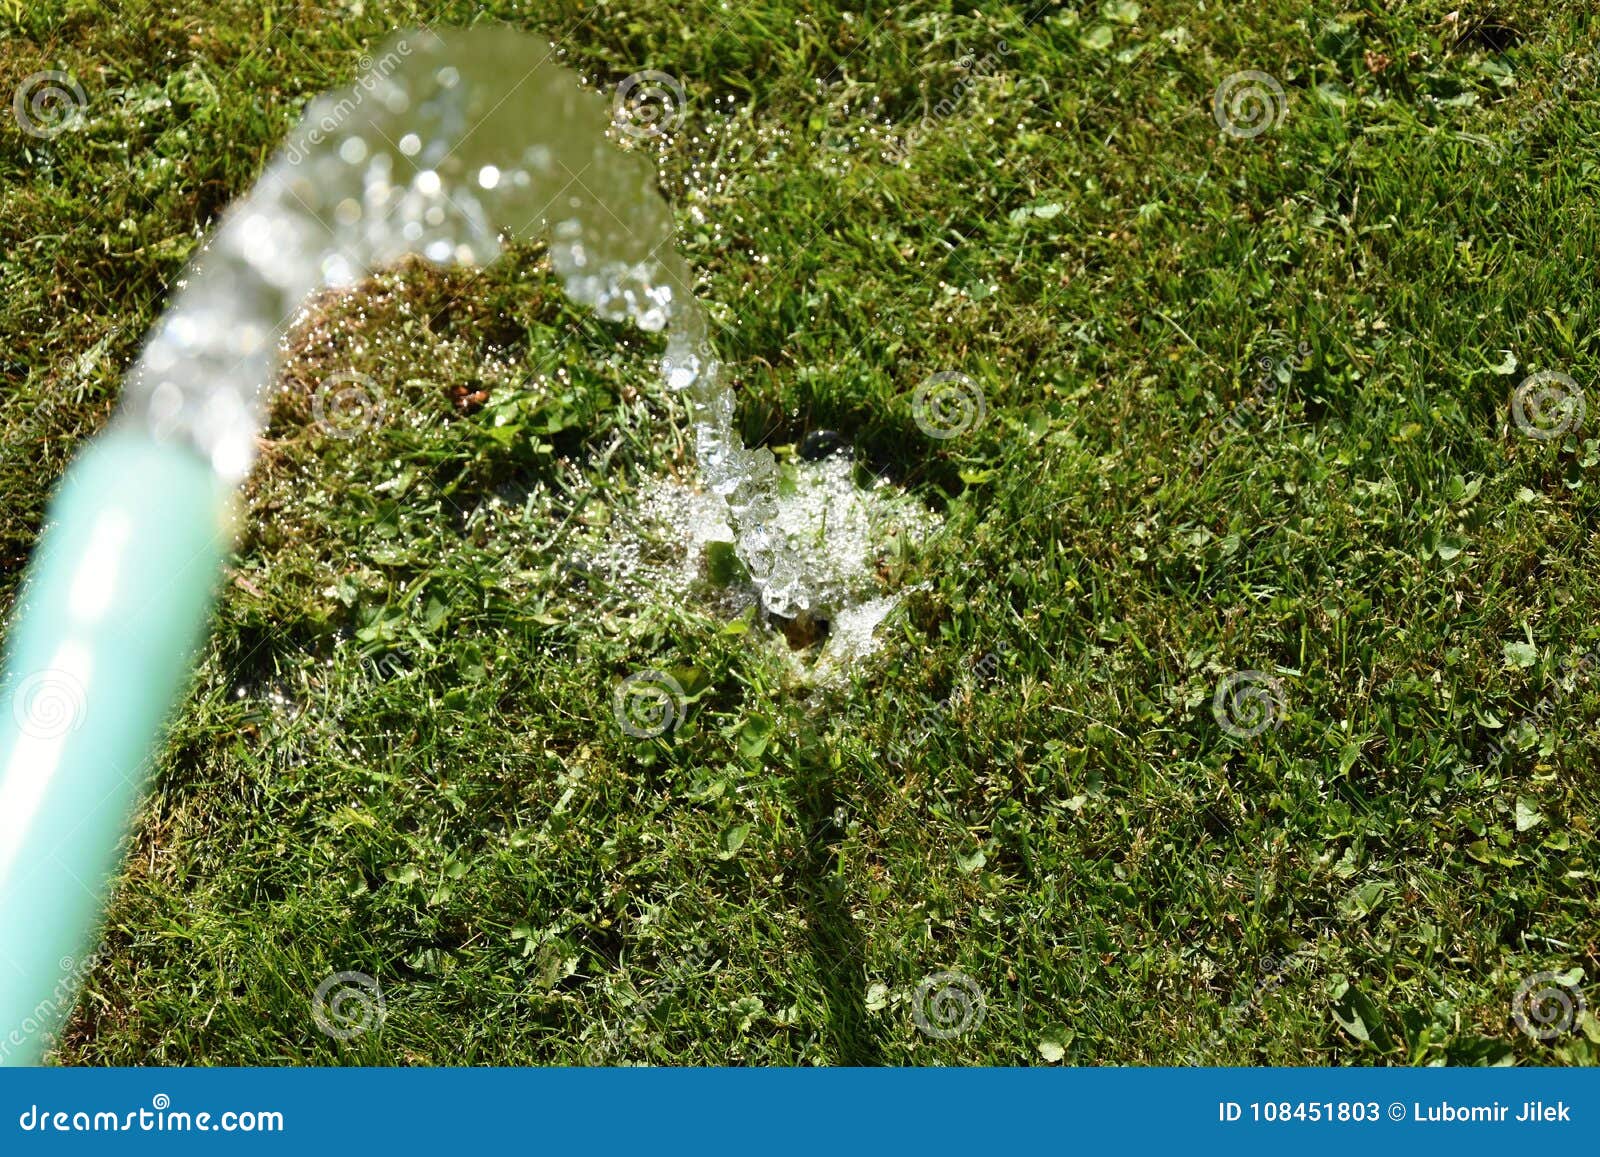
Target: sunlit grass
(400, 757)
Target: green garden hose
(113, 605)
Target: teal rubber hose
(113, 606)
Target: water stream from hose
(448, 146)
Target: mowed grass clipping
(1246, 409)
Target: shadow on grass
(883, 445)
(838, 947)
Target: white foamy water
(841, 534)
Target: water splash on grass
(844, 534)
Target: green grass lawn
(1247, 408)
